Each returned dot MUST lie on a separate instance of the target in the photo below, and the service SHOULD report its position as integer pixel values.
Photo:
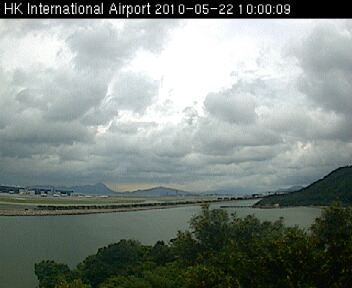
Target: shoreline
(92, 209)
(45, 212)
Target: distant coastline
(94, 209)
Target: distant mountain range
(97, 189)
(157, 192)
(102, 189)
(334, 187)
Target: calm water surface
(69, 239)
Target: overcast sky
(246, 105)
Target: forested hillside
(335, 187)
(221, 251)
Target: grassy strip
(65, 201)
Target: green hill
(335, 187)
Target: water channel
(69, 239)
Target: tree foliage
(336, 186)
(221, 251)
(50, 272)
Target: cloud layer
(141, 103)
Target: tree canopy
(221, 250)
(334, 187)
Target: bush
(219, 251)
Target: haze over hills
(97, 189)
(157, 192)
(334, 187)
(288, 190)
(102, 189)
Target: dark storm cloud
(63, 95)
(134, 91)
(73, 95)
(301, 122)
(30, 136)
(221, 138)
(101, 45)
(326, 59)
(98, 46)
(53, 112)
(83, 112)
(235, 105)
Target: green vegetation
(219, 251)
(74, 200)
(335, 187)
(71, 200)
